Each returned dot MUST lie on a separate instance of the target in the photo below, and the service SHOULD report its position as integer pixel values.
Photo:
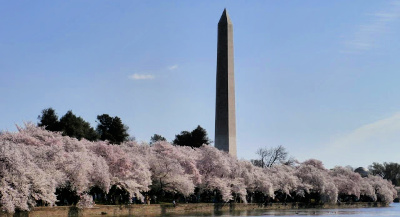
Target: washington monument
(225, 117)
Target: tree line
(268, 157)
(111, 129)
(108, 128)
(41, 167)
(115, 131)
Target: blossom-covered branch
(34, 163)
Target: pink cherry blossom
(35, 162)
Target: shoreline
(180, 209)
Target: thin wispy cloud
(150, 76)
(379, 130)
(374, 142)
(367, 35)
(171, 68)
(141, 76)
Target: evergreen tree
(199, 137)
(49, 120)
(76, 127)
(194, 139)
(157, 138)
(112, 129)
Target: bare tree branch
(272, 156)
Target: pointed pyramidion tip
(225, 17)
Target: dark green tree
(194, 139)
(390, 171)
(183, 139)
(74, 126)
(199, 137)
(49, 120)
(112, 129)
(156, 138)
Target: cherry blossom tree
(127, 170)
(215, 169)
(346, 181)
(168, 174)
(367, 190)
(35, 162)
(23, 182)
(284, 179)
(315, 179)
(384, 190)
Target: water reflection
(393, 210)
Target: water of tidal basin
(392, 210)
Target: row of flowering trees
(35, 164)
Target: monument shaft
(225, 115)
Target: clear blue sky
(318, 77)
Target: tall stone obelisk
(225, 116)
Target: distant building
(362, 171)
